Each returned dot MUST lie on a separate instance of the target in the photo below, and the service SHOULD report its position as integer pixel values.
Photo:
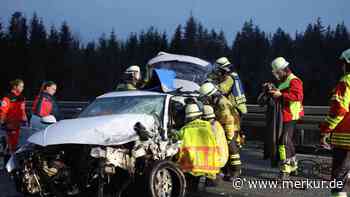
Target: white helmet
(134, 69)
(207, 89)
(346, 56)
(208, 112)
(192, 111)
(223, 62)
(279, 63)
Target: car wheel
(165, 179)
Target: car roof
(167, 57)
(131, 93)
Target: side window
(176, 113)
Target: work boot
(294, 168)
(285, 171)
(193, 183)
(233, 173)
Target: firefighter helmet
(208, 112)
(279, 63)
(207, 89)
(192, 111)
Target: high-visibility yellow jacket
(338, 120)
(224, 113)
(221, 142)
(198, 150)
(125, 87)
(292, 94)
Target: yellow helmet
(192, 111)
(207, 89)
(208, 112)
(346, 56)
(279, 63)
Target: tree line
(84, 70)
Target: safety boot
(285, 171)
(294, 168)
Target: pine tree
(176, 44)
(37, 54)
(190, 37)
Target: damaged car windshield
(186, 71)
(125, 105)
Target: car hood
(101, 130)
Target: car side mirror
(48, 119)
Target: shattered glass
(186, 71)
(125, 105)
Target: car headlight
(98, 152)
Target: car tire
(165, 179)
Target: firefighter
(131, 79)
(290, 92)
(44, 105)
(198, 149)
(224, 112)
(219, 133)
(13, 114)
(230, 85)
(337, 128)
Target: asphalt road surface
(254, 170)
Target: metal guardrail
(307, 133)
(255, 118)
(313, 116)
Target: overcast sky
(90, 18)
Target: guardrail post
(302, 133)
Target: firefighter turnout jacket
(338, 120)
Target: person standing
(226, 77)
(198, 154)
(13, 114)
(224, 113)
(290, 93)
(337, 128)
(45, 104)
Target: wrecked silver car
(118, 146)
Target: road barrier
(307, 129)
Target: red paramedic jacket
(44, 104)
(12, 110)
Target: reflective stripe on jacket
(292, 94)
(198, 150)
(221, 142)
(338, 120)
